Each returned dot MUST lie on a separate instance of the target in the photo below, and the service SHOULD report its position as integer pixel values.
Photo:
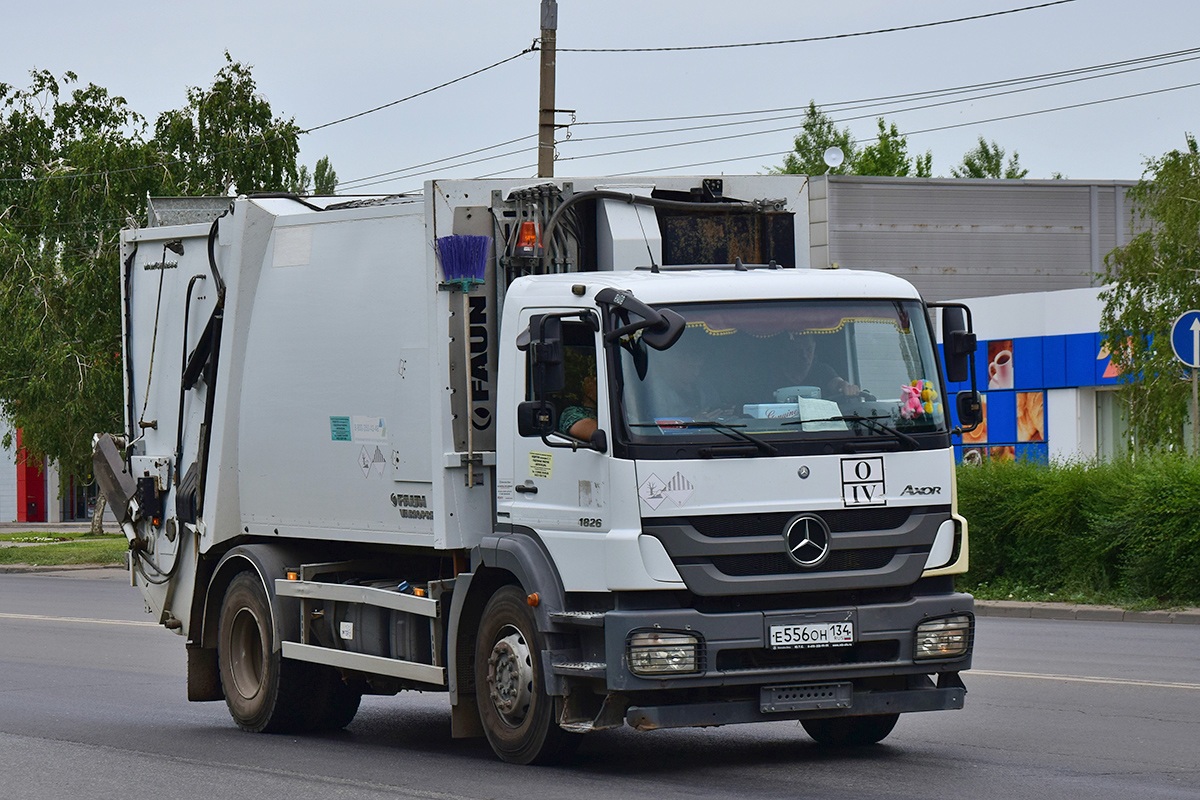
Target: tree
(987, 161)
(888, 155)
(1152, 280)
(303, 183)
(817, 134)
(226, 137)
(74, 167)
(325, 177)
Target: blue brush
(464, 259)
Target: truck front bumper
(733, 649)
(921, 695)
(738, 677)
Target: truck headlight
(663, 653)
(945, 637)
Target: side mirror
(543, 340)
(958, 342)
(667, 332)
(535, 418)
(970, 410)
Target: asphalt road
(92, 704)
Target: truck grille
(779, 563)
(735, 554)
(723, 526)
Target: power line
(347, 184)
(807, 39)
(870, 101)
(448, 166)
(776, 154)
(1113, 69)
(909, 133)
(943, 93)
(785, 152)
(533, 47)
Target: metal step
(362, 662)
(588, 619)
(593, 669)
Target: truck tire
(516, 712)
(333, 702)
(262, 689)
(850, 731)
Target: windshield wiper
(721, 427)
(871, 422)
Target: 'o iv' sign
(1185, 338)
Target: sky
(319, 62)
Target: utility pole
(546, 95)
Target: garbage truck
(579, 453)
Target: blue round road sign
(1185, 338)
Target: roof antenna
(738, 265)
(646, 239)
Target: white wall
(1071, 423)
(1011, 316)
(8, 481)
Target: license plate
(821, 634)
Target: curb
(22, 569)
(1008, 608)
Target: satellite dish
(833, 157)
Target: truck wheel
(516, 712)
(850, 731)
(258, 683)
(333, 702)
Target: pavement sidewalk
(51, 528)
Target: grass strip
(96, 551)
(49, 536)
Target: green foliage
(889, 156)
(986, 160)
(302, 185)
(324, 177)
(225, 136)
(75, 166)
(1102, 531)
(817, 134)
(1151, 281)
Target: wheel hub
(510, 677)
(246, 654)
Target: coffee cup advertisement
(1000, 364)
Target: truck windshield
(780, 371)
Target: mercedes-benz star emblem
(807, 540)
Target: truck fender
(497, 560)
(524, 555)
(269, 562)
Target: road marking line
(44, 618)
(1084, 679)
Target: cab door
(560, 488)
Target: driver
(579, 418)
(801, 369)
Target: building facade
(1028, 258)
